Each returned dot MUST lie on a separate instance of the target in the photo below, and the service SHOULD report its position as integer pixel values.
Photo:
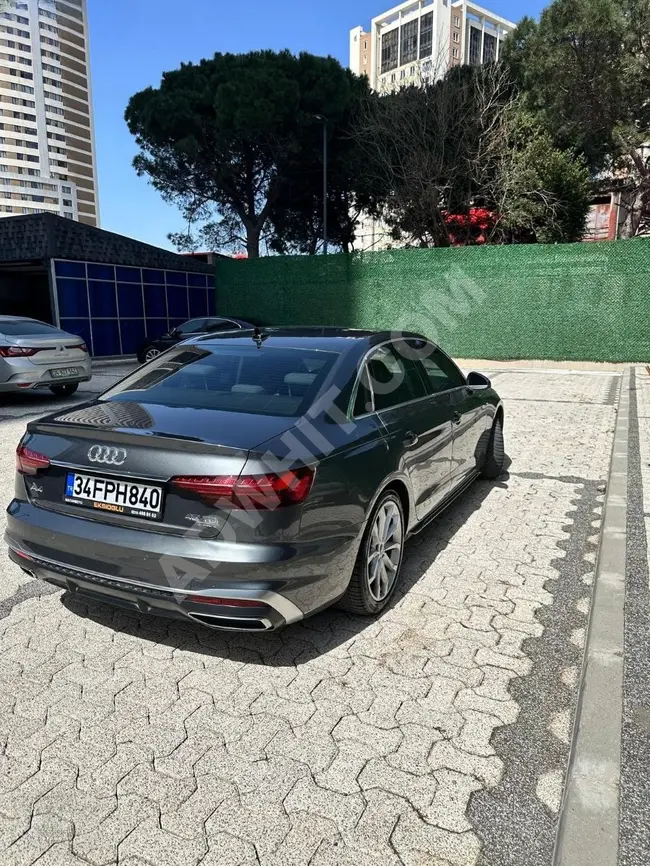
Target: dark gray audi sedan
(249, 480)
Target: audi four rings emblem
(107, 454)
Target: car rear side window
(395, 378)
(194, 326)
(259, 381)
(215, 325)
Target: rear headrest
(305, 379)
(247, 389)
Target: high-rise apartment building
(47, 152)
(416, 42)
(421, 39)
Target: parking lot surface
(437, 735)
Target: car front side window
(441, 372)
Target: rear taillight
(17, 351)
(82, 346)
(30, 462)
(250, 492)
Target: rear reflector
(29, 462)
(250, 492)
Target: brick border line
(589, 819)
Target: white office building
(421, 39)
(47, 149)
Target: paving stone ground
(437, 735)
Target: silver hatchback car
(34, 355)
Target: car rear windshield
(266, 381)
(27, 328)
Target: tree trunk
(253, 243)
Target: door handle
(411, 440)
(457, 418)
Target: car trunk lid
(60, 349)
(149, 445)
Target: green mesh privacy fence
(587, 302)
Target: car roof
(334, 339)
(4, 318)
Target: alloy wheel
(151, 354)
(384, 550)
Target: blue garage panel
(152, 276)
(72, 296)
(70, 269)
(133, 335)
(128, 275)
(198, 303)
(106, 337)
(101, 272)
(129, 298)
(177, 303)
(212, 302)
(200, 281)
(102, 299)
(176, 278)
(155, 303)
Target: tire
(367, 595)
(150, 353)
(64, 390)
(495, 456)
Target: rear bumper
(213, 582)
(20, 374)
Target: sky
(132, 42)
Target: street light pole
(324, 122)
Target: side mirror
(478, 382)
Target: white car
(34, 355)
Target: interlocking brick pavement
(436, 735)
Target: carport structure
(111, 290)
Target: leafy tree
(234, 142)
(585, 70)
(540, 193)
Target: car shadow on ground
(302, 641)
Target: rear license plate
(64, 372)
(116, 497)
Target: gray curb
(588, 831)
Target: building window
(365, 44)
(474, 45)
(67, 202)
(402, 74)
(69, 215)
(455, 36)
(489, 48)
(426, 35)
(455, 52)
(456, 21)
(409, 42)
(67, 189)
(389, 50)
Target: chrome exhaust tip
(230, 623)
